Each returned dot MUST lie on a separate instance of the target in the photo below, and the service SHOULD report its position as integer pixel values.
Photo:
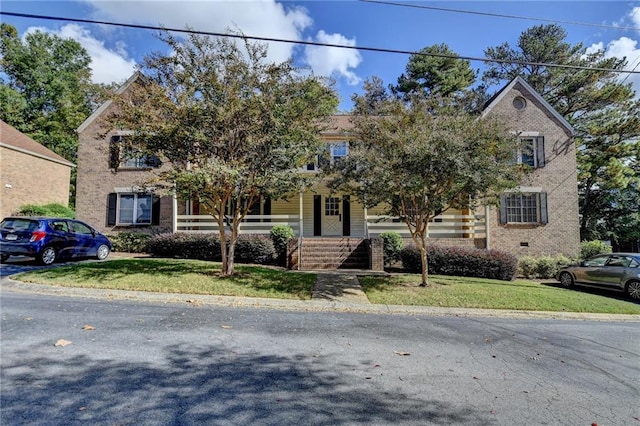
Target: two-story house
(333, 230)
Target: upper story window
(531, 151)
(330, 155)
(128, 157)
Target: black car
(48, 239)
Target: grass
(200, 277)
(491, 294)
(178, 276)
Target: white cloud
(635, 16)
(624, 47)
(107, 65)
(264, 18)
(334, 61)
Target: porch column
(486, 227)
(174, 213)
(366, 223)
(300, 227)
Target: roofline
(533, 93)
(106, 104)
(35, 154)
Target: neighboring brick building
(29, 172)
(540, 218)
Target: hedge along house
(332, 230)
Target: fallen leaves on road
(193, 302)
(401, 353)
(62, 342)
(88, 327)
(225, 326)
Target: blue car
(48, 239)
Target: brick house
(333, 230)
(30, 173)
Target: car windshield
(19, 224)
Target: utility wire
(311, 43)
(499, 15)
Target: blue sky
(116, 51)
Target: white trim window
(125, 209)
(524, 208)
(531, 151)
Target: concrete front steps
(334, 253)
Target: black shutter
(503, 209)
(317, 215)
(544, 214)
(114, 152)
(266, 208)
(254, 211)
(540, 151)
(154, 161)
(112, 205)
(155, 211)
(346, 216)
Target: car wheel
(47, 256)
(4, 257)
(566, 280)
(633, 290)
(103, 252)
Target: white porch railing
(442, 226)
(252, 224)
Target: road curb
(195, 300)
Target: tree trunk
(423, 258)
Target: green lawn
(178, 276)
(199, 277)
(465, 292)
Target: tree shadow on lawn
(205, 385)
(259, 277)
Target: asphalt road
(171, 364)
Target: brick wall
(96, 180)
(26, 179)
(558, 178)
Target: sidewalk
(338, 286)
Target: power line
(311, 43)
(499, 15)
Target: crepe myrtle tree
(420, 158)
(233, 125)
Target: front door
(332, 216)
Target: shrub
(460, 261)
(181, 245)
(185, 246)
(392, 245)
(591, 248)
(51, 209)
(131, 242)
(527, 266)
(279, 235)
(541, 267)
(254, 249)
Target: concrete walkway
(338, 286)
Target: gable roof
(495, 99)
(12, 138)
(136, 75)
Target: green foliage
(256, 249)
(392, 244)
(130, 242)
(51, 209)
(463, 262)
(591, 248)
(234, 126)
(436, 71)
(249, 248)
(541, 267)
(279, 235)
(421, 157)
